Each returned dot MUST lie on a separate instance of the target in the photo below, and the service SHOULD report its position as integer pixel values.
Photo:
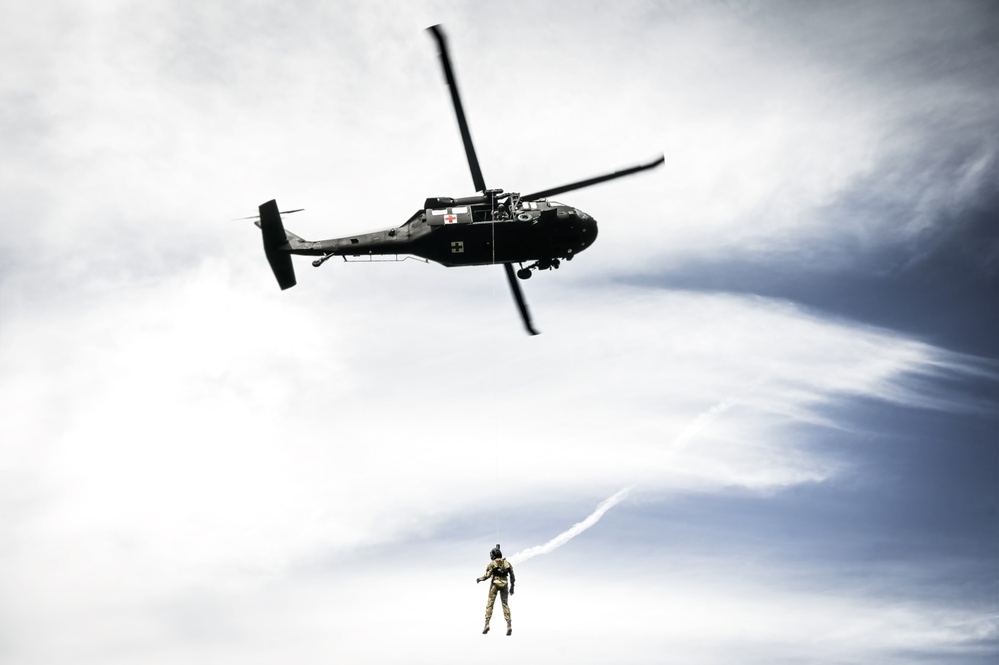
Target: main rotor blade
(473, 161)
(518, 295)
(545, 193)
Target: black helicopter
(492, 227)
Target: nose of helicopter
(588, 227)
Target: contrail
(698, 424)
(573, 531)
(689, 432)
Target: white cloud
(162, 123)
(259, 430)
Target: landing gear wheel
(524, 273)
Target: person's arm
(513, 578)
(489, 572)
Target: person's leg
(506, 610)
(489, 607)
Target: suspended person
(499, 569)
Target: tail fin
(276, 244)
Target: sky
(759, 425)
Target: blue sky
(784, 342)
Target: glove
(511, 591)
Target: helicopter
(491, 227)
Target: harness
(500, 571)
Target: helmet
(495, 552)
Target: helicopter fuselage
(468, 232)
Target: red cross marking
(450, 219)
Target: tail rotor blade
(518, 295)
(466, 137)
(283, 212)
(545, 193)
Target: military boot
(509, 629)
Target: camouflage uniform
(498, 569)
